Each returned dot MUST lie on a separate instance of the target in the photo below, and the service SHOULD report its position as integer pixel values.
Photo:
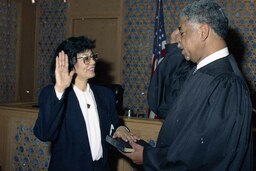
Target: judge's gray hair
(208, 12)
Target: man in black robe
(207, 124)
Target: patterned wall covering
(138, 45)
(30, 154)
(8, 25)
(138, 42)
(52, 30)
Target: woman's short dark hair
(71, 47)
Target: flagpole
(159, 51)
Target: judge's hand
(63, 77)
(125, 134)
(175, 36)
(137, 155)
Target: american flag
(159, 50)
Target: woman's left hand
(125, 134)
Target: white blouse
(90, 113)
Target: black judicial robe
(167, 80)
(208, 125)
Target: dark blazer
(62, 123)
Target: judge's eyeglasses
(87, 59)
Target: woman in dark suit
(76, 116)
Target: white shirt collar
(213, 57)
(88, 89)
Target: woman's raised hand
(63, 76)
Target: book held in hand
(123, 146)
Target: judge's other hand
(63, 76)
(137, 155)
(175, 36)
(125, 134)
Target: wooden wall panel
(104, 31)
(102, 21)
(3, 132)
(27, 51)
(19, 148)
(85, 7)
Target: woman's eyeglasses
(87, 59)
